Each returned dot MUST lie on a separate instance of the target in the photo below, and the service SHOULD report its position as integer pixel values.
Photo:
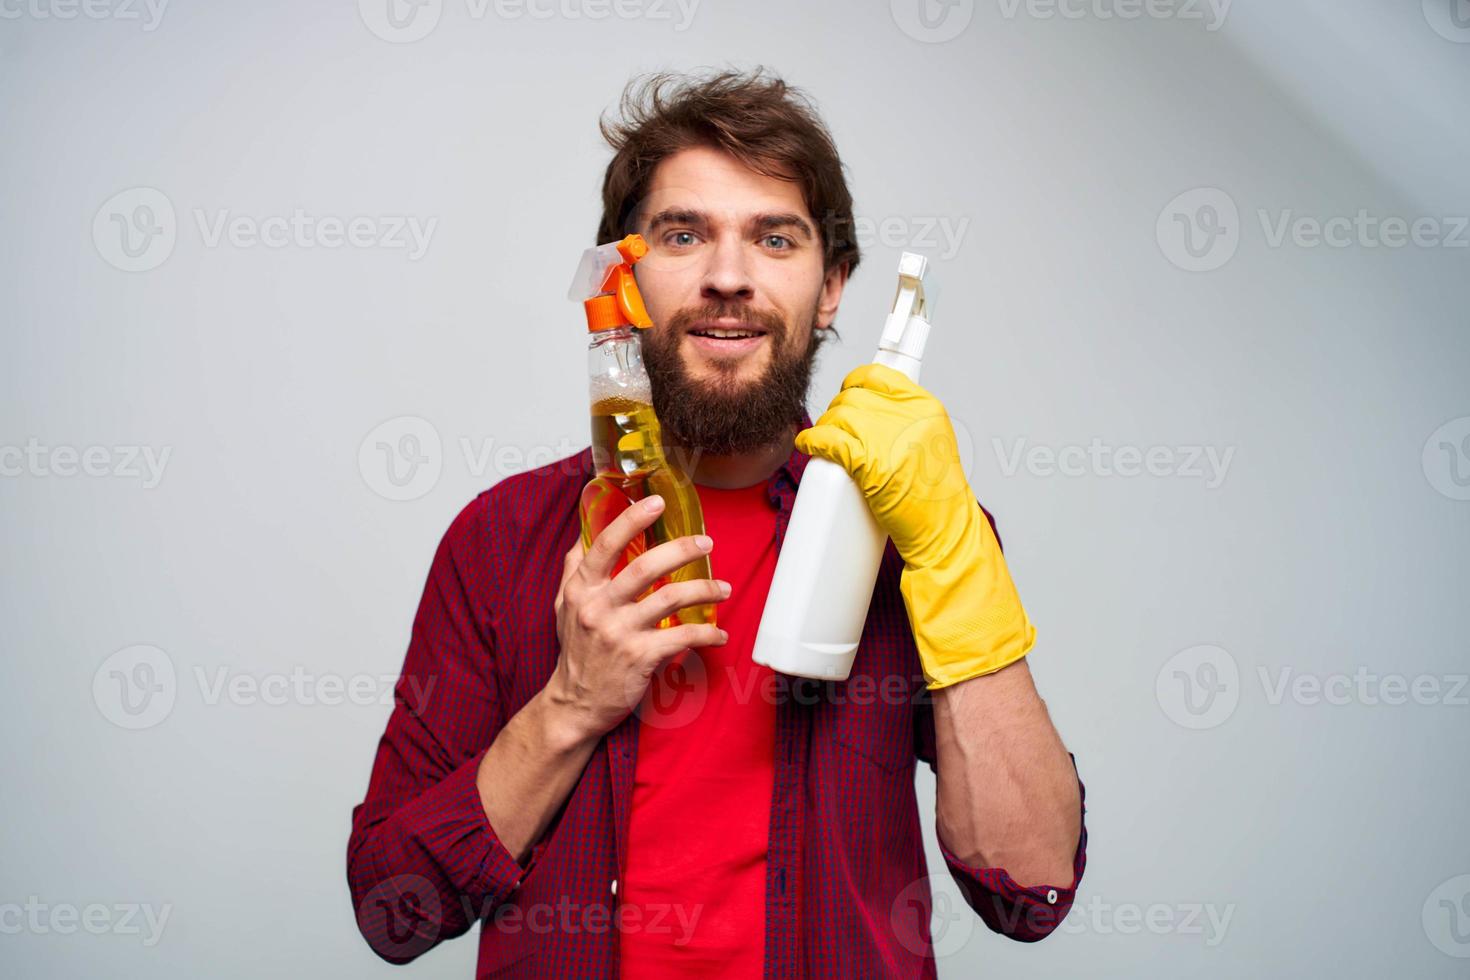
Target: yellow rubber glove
(896, 441)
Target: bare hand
(611, 643)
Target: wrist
(562, 724)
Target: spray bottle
(627, 444)
(828, 565)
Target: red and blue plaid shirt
(847, 889)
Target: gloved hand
(896, 441)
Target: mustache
(768, 320)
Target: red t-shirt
(701, 810)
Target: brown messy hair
(770, 127)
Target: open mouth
(726, 340)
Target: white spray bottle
(824, 578)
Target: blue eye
(778, 241)
(686, 236)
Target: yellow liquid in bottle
(627, 450)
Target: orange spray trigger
(607, 288)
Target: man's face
(730, 250)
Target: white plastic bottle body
(824, 578)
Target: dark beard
(723, 417)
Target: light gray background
(1330, 837)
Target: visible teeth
(726, 334)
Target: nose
(727, 275)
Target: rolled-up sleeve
(1025, 914)
(423, 862)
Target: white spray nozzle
(592, 270)
(907, 328)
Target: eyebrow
(761, 222)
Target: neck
(735, 471)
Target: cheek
(664, 292)
(795, 297)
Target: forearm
(1007, 794)
(529, 771)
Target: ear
(831, 295)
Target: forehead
(713, 182)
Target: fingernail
(653, 504)
(724, 588)
(704, 542)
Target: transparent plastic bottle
(627, 442)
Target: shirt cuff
(448, 822)
(1022, 914)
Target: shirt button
(615, 886)
(1051, 896)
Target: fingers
(836, 444)
(608, 546)
(671, 598)
(572, 560)
(654, 564)
(670, 641)
(881, 377)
